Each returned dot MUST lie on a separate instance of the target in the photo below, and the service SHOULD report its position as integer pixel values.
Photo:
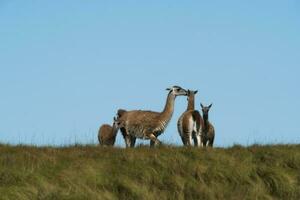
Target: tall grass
(90, 172)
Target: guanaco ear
(210, 106)
(202, 106)
(196, 92)
(168, 89)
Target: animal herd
(193, 127)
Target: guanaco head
(116, 126)
(191, 94)
(205, 111)
(120, 113)
(177, 91)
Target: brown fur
(149, 124)
(208, 131)
(190, 122)
(121, 112)
(107, 134)
(208, 137)
(129, 140)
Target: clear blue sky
(67, 66)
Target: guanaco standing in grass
(107, 134)
(129, 139)
(208, 131)
(149, 124)
(190, 123)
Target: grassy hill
(87, 172)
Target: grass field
(89, 172)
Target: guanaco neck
(191, 103)
(206, 122)
(115, 131)
(167, 113)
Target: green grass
(87, 172)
